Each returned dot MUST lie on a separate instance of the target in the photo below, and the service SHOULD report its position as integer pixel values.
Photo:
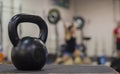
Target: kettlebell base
(28, 68)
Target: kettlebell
(28, 53)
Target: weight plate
(80, 22)
(53, 16)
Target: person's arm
(67, 36)
(74, 25)
(65, 27)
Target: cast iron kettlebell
(28, 53)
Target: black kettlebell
(28, 53)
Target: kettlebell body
(28, 53)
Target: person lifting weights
(71, 46)
(116, 33)
(115, 63)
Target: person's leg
(67, 59)
(118, 54)
(76, 55)
(58, 60)
(64, 58)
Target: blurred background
(95, 40)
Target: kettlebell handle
(21, 18)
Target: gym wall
(37, 7)
(101, 17)
(7, 14)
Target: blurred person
(71, 46)
(116, 34)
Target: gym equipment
(54, 16)
(80, 25)
(28, 53)
(62, 50)
(101, 60)
(80, 22)
(84, 45)
(115, 64)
